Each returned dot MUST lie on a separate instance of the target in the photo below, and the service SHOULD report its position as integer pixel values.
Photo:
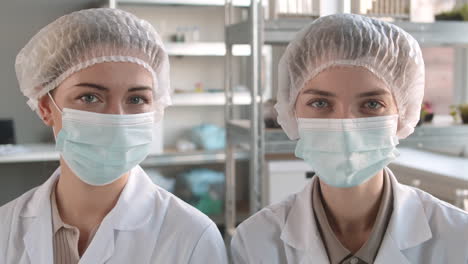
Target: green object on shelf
(209, 206)
(458, 14)
(460, 110)
(204, 190)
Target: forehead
(119, 72)
(112, 75)
(346, 79)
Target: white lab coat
(422, 230)
(147, 225)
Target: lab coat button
(354, 261)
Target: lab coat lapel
(102, 246)
(408, 225)
(133, 210)
(38, 212)
(301, 233)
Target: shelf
(31, 153)
(239, 3)
(454, 168)
(276, 140)
(437, 136)
(47, 153)
(206, 99)
(425, 137)
(190, 158)
(282, 31)
(204, 49)
(437, 174)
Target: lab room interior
(234, 131)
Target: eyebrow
(140, 88)
(319, 92)
(374, 93)
(92, 85)
(105, 89)
(361, 95)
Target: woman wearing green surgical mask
(100, 79)
(349, 88)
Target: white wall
(19, 21)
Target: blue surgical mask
(100, 148)
(347, 152)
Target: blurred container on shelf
(184, 145)
(204, 189)
(294, 8)
(209, 136)
(389, 9)
(199, 87)
(186, 34)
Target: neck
(82, 205)
(352, 211)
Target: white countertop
(456, 167)
(445, 165)
(30, 153)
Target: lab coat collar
(38, 211)
(133, 210)
(408, 226)
(135, 206)
(300, 230)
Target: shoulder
(270, 218)
(168, 209)
(446, 220)
(184, 226)
(12, 210)
(10, 224)
(180, 211)
(261, 233)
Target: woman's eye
(89, 98)
(373, 105)
(320, 104)
(137, 100)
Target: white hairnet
(353, 40)
(84, 38)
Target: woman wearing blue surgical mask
(349, 88)
(100, 79)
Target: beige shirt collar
(368, 252)
(57, 222)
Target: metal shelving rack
(195, 49)
(257, 32)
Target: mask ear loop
(53, 101)
(56, 106)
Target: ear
(46, 111)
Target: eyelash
(81, 97)
(364, 105)
(317, 101)
(380, 105)
(143, 98)
(96, 97)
